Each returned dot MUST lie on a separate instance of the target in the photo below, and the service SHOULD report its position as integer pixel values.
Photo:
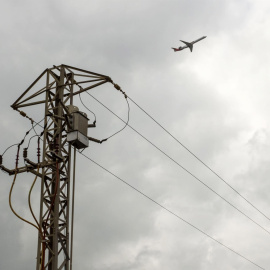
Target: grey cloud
(204, 98)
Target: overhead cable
(30, 205)
(11, 207)
(186, 170)
(117, 87)
(126, 122)
(27, 132)
(172, 213)
(178, 164)
(88, 109)
(222, 179)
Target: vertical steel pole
(72, 213)
(55, 187)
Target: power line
(222, 179)
(87, 108)
(186, 170)
(27, 132)
(126, 122)
(172, 213)
(167, 208)
(178, 164)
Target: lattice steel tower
(64, 127)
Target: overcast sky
(214, 100)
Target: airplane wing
(190, 44)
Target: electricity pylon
(64, 126)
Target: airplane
(188, 44)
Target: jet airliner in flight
(188, 44)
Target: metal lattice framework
(62, 83)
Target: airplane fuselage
(188, 44)
(199, 39)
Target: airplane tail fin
(175, 49)
(190, 45)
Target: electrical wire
(222, 179)
(119, 89)
(195, 177)
(11, 207)
(171, 212)
(34, 128)
(31, 139)
(186, 170)
(27, 132)
(126, 123)
(38, 226)
(87, 108)
(38, 123)
(9, 148)
(29, 202)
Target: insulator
(38, 154)
(17, 156)
(24, 152)
(22, 113)
(1, 159)
(56, 147)
(116, 86)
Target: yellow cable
(29, 202)
(10, 204)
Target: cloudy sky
(215, 101)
